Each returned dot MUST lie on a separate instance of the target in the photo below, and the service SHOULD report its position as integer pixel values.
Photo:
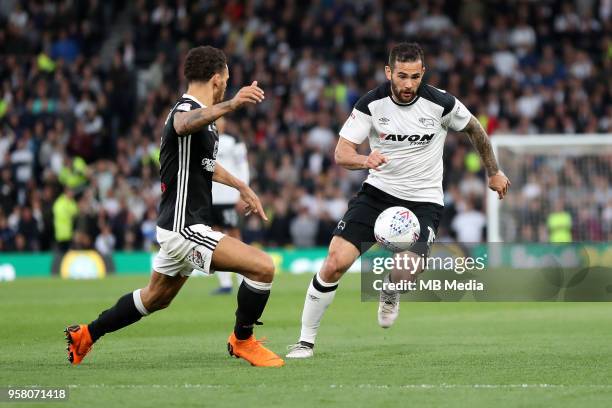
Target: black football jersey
(187, 164)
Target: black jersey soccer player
(188, 150)
(405, 121)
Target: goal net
(561, 189)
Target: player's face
(405, 79)
(219, 85)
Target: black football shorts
(224, 216)
(357, 224)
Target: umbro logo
(428, 123)
(384, 121)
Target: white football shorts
(183, 251)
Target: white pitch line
(348, 386)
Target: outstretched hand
(248, 94)
(499, 183)
(253, 204)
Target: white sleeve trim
(184, 107)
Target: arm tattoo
(480, 140)
(186, 123)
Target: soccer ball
(397, 228)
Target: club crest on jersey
(413, 140)
(196, 258)
(428, 123)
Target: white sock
(318, 297)
(225, 279)
(138, 303)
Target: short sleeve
(183, 107)
(458, 118)
(357, 127)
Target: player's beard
(219, 95)
(397, 93)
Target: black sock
(251, 304)
(122, 314)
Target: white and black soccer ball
(397, 228)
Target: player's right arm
(346, 156)
(355, 131)
(186, 123)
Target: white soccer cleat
(388, 309)
(299, 350)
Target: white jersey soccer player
(232, 155)
(405, 121)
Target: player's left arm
(498, 181)
(253, 204)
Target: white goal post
(548, 172)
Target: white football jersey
(410, 135)
(232, 155)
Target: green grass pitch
(450, 354)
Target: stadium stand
(86, 86)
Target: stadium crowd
(86, 87)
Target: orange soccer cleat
(79, 343)
(253, 351)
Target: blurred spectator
(73, 173)
(29, 229)
(105, 241)
(304, 228)
(559, 223)
(469, 224)
(64, 210)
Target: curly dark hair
(406, 52)
(203, 62)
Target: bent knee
(267, 268)
(334, 267)
(264, 270)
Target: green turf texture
(451, 354)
